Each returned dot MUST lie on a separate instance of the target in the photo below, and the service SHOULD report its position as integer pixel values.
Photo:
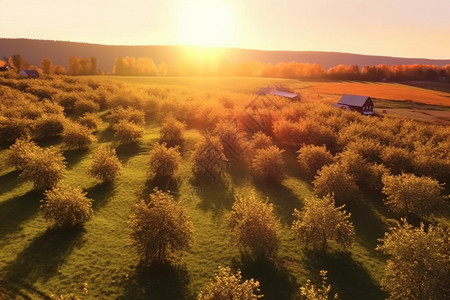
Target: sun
(205, 23)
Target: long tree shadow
(74, 156)
(214, 196)
(283, 198)
(348, 278)
(158, 282)
(100, 193)
(126, 151)
(15, 211)
(9, 181)
(368, 226)
(106, 135)
(275, 280)
(45, 255)
(165, 184)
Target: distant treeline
(145, 66)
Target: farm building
(4, 69)
(29, 73)
(279, 91)
(362, 104)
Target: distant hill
(58, 51)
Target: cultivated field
(97, 260)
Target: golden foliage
(105, 164)
(419, 261)
(254, 226)
(160, 227)
(66, 206)
(320, 220)
(228, 285)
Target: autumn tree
(18, 62)
(209, 157)
(230, 286)
(21, 152)
(310, 292)
(254, 226)
(268, 163)
(47, 66)
(332, 179)
(66, 206)
(160, 227)
(129, 114)
(76, 136)
(45, 168)
(172, 131)
(90, 120)
(74, 66)
(418, 265)
(312, 158)
(105, 164)
(320, 220)
(127, 132)
(59, 70)
(49, 126)
(409, 194)
(164, 161)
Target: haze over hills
(59, 51)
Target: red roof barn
(362, 104)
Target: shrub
(21, 152)
(90, 120)
(230, 136)
(49, 126)
(418, 265)
(45, 168)
(254, 226)
(12, 128)
(160, 227)
(228, 285)
(397, 159)
(208, 156)
(164, 162)
(268, 163)
(77, 136)
(312, 158)
(407, 193)
(260, 140)
(320, 220)
(83, 105)
(66, 206)
(129, 114)
(311, 292)
(66, 100)
(288, 132)
(331, 179)
(172, 131)
(105, 164)
(127, 132)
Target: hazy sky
(407, 28)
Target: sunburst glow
(205, 23)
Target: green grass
(208, 84)
(37, 261)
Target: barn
(279, 91)
(362, 104)
(29, 73)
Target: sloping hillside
(34, 50)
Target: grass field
(386, 91)
(37, 261)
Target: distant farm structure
(279, 91)
(362, 104)
(29, 73)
